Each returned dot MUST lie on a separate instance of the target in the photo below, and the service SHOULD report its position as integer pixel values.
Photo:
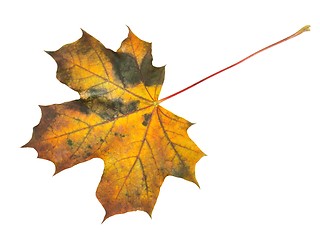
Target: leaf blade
(117, 119)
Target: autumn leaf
(118, 119)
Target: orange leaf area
(117, 119)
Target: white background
(259, 123)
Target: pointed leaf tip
(49, 52)
(83, 31)
(129, 28)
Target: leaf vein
(138, 156)
(167, 137)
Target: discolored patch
(125, 68)
(96, 92)
(111, 109)
(83, 44)
(64, 75)
(78, 105)
(84, 109)
(152, 75)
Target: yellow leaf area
(117, 119)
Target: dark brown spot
(119, 135)
(146, 119)
(70, 142)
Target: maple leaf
(117, 119)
